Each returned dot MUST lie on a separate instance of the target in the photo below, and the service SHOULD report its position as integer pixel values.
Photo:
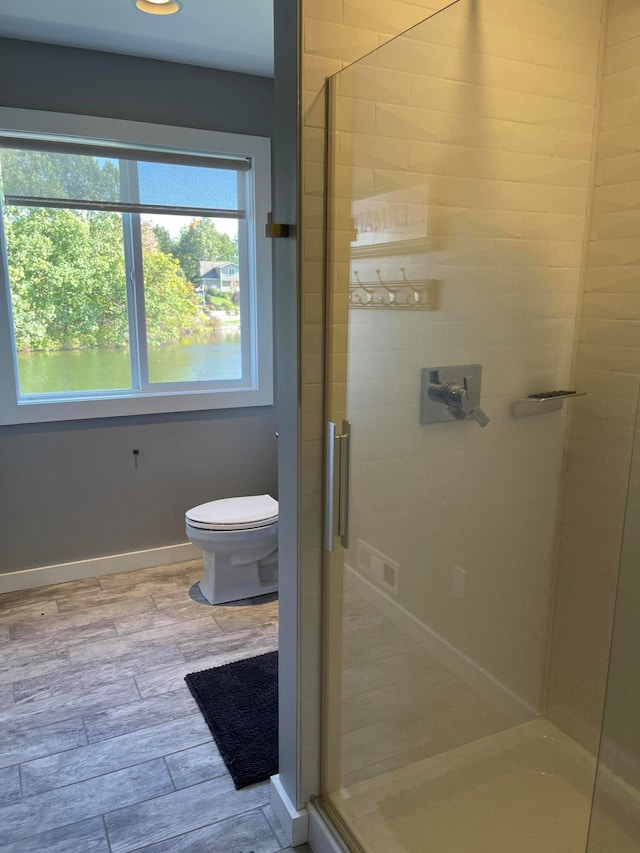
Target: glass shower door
(453, 265)
(615, 819)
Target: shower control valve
(459, 392)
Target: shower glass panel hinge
(276, 229)
(337, 485)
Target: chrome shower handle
(470, 410)
(459, 399)
(479, 416)
(337, 475)
(329, 486)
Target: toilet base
(224, 581)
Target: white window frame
(256, 388)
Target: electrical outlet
(458, 582)
(377, 567)
(390, 575)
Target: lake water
(104, 369)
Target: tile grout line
(273, 832)
(106, 833)
(93, 778)
(86, 733)
(168, 769)
(97, 814)
(179, 835)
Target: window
(135, 276)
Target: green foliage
(38, 173)
(171, 305)
(66, 267)
(221, 302)
(68, 284)
(201, 241)
(166, 243)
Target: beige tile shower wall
(335, 33)
(484, 123)
(602, 426)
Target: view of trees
(200, 241)
(38, 173)
(66, 267)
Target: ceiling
(236, 35)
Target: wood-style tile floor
(102, 747)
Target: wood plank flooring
(102, 747)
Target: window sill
(41, 411)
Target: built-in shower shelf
(543, 402)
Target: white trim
(256, 388)
(464, 667)
(322, 836)
(110, 565)
(294, 822)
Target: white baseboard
(110, 565)
(464, 667)
(294, 822)
(322, 836)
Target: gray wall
(70, 491)
(68, 80)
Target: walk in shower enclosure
(483, 255)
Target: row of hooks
(403, 293)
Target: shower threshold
(527, 789)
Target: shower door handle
(336, 511)
(343, 484)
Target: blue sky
(163, 183)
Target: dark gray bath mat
(239, 702)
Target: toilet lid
(235, 513)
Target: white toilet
(239, 538)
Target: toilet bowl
(239, 541)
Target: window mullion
(135, 280)
(9, 373)
(248, 281)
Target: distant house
(219, 275)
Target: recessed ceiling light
(159, 7)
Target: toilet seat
(244, 513)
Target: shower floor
(527, 789)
